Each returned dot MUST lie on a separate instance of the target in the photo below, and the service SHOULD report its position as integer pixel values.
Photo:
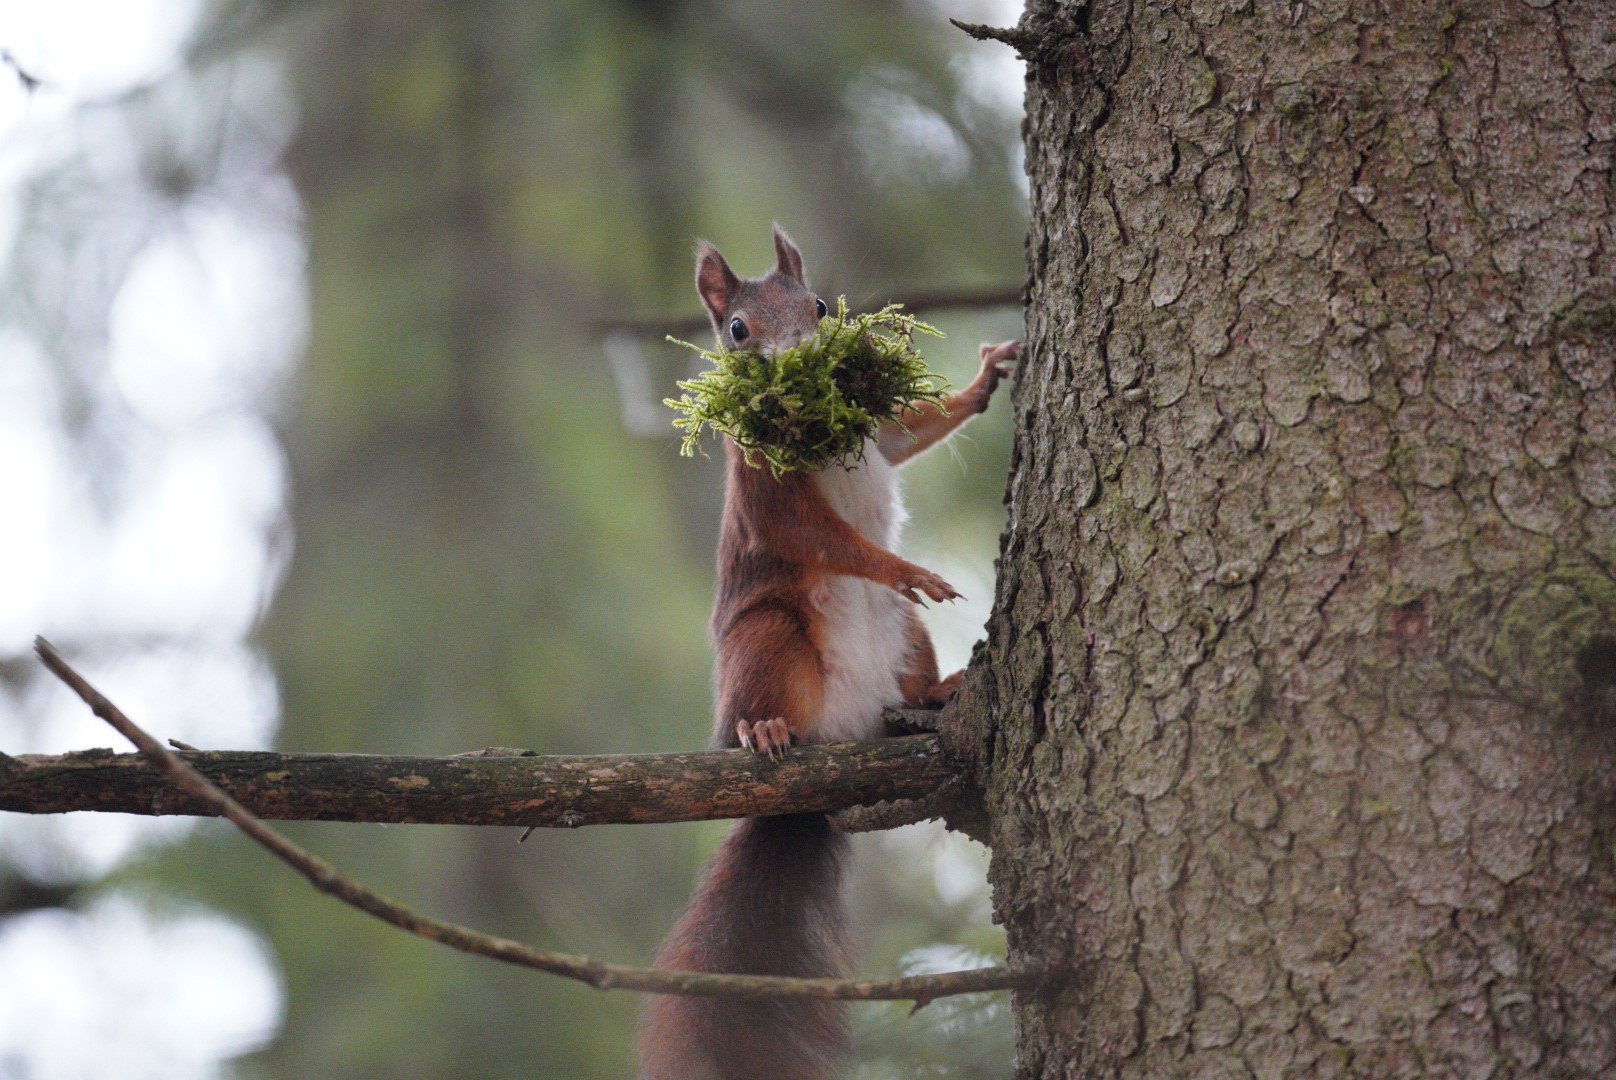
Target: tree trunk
(1298, 728)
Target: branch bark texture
(504, 788)
(920, 989)
(1299, 738)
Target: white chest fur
(864, 623)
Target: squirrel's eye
(738, 331)
(819, 306)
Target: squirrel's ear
(715, 281)
(790, 259)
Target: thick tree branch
(917, 988)
(502, 787)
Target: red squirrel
(816, 632)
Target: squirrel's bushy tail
(769, 904)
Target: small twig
(30, 81)
(1013, 36)
(1042, 39)
(327, 879)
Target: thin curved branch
(326, 878)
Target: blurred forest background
(318, 435)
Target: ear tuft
(789, 258)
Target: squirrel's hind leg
(771, 682)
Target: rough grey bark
(1297, 723)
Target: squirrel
(816, 632)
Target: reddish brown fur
(771, 894)
(778, 540)
(920, 685)
(769, 903)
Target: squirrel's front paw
(771, 737)
(912, 578)
(996, 361)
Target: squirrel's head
(770, 313)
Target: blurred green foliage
(484, 556)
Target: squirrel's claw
(916, 580)
(771, 737)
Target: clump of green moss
(814, 404)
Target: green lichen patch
(814, 404)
